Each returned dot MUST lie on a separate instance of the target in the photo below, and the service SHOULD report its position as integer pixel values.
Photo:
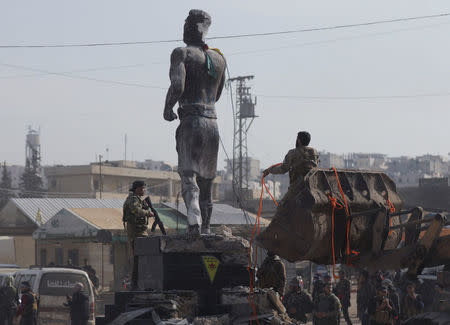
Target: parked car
(52, 285)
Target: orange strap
(252, 266)
(391, 206)
(391, 210)
(334, 205)
(349, 222)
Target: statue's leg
(206, 205)
(190, 192)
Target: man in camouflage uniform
(327, 308)
(342, 291)
(298, 162)
(135, 217)
(272, 273)
(298, 301)
(381, 308)
(412, 303)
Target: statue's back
(200, 87)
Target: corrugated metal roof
(224, 214)
(49, 207)
(85, 222)
(111, 219)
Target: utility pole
(125, 152)
(245, 111)
(100, 184)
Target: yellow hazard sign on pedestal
(211, 264)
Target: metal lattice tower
(243, 119)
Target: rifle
(156, 215)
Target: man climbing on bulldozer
(298, 162)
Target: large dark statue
(197, 76)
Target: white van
(7, 272)
(52, 285)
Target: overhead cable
(443, 94)
(63, 74)
(303, 30)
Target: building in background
(22, 216)
(97, 235)
(113, 180)
(328, 160)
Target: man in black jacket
(342, 291)
(28, 306)
(79, 305)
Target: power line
(328, 98)
(304, 30)
(444, 94)
(74, 71)
(81, 77)
(348, 38)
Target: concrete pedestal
(185, 262)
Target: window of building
(96, 185)
(72, 255)
(43, 256)
(111, 254)
(59, 256)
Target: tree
(31, 181)
(5, 186)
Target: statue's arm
(222, 83)
(177, 76)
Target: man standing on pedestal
(197, 75)
(135, 217)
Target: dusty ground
(351, 311)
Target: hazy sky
(80, 117)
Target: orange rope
(391, 210)
(349, 251)
(391, 206)
(335, 205)
(252, 266)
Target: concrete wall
(7, 255)
(24, 247)
(71, 184)
(86, 179)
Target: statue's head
(196, 27)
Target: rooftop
(48, 207)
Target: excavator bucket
(302, 228)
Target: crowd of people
(381, 299)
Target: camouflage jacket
(329, 304)
(272, 274)
(298, 162)
(298, 304)
(411, 307)
(135, 214)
